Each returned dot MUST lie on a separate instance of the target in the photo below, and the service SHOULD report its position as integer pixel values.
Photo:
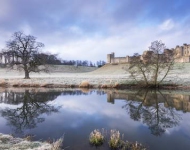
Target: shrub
(115, 139)
(115, 142)
(96, 138)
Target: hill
(54, 71)
(181, 69)
(111, 69)
(70, 69)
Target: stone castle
(182, 54)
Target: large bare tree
(150, 69)
(24, 52)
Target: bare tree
(150, 69)
(24, 52)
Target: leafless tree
(150, 69)
(24, 52)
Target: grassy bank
(8, 142)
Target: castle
(182, 54)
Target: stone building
(112, 59)
(182, 54)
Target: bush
(96, 138)
(115, 139)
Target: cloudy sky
(90, 29)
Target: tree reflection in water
(153, 109)
(33, 105)
(156, 110)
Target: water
(158, 119)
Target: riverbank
(8, 142)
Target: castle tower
(186, 51)
(110, 58)
(179, 51)
(127, 58)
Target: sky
(91, 29)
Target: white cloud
(167, 25)
(122, 41)
(85, 34)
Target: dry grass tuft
(3, 83)
(104, 86)
(115, 141)
(115, 85)
(28, 137)
(84, 84)
(57, 144)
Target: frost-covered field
(108, 74)
(60, 75)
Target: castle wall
(179, 60)
(112, 59)
(182, 55)
(119, 60)
(186, 59)
(183, 59)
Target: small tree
(24, 51)
(150, 69)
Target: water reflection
(82, 91)
(153, 108)
(31, 106)
(134, 113)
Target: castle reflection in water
(179, 101)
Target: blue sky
(90, 29)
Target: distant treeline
(53, 59)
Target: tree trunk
(26, 73)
